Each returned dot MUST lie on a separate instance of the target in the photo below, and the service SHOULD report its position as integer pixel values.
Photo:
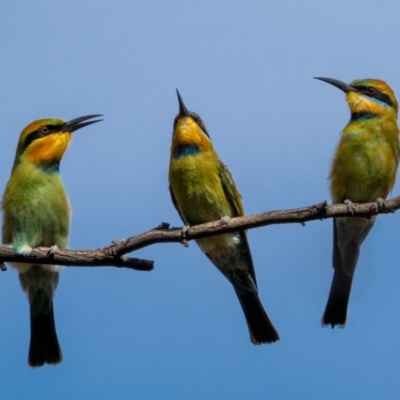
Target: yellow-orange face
(372, 95)
(44, 141)
(190, 131)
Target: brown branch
(74, 258)
(164, 234)
(114, 254)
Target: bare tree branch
(114, 254)
(164, 234)
(74, 258)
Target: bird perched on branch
(36, 212)
(202, 190)
(363, 170)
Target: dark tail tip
(338, 301)
(335, 312)
(44, 347)
(260, 326)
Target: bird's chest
(197, 187)
(364, 167)
(37, 211)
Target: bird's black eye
(200, 123)
(45, 130)
(371, 90)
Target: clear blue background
(246, 67)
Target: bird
(202, 190)
(363, 170)
(36, 212)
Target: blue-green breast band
(50, 167)
(185, 150)
(362, 115)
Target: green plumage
(365, 162)
(202, 190)
(363, 170)
(36, 212)
(36, 209)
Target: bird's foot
(381, 203)
(24, 250)
(185, 230)
(52, 250)
(350, 207)
(225, 221)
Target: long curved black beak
(78, 123)
(339, 84)
(182, 108)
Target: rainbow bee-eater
(202, 190)
(363, 170)
(37, 213)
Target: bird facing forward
(202, 190)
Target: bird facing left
(36, 212)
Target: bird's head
(367, 95)
(189, 128)
(45, 141)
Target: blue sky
(246, 68)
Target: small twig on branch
(114, 254)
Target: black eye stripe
(199, 123)
(31, 137)
(377, 95)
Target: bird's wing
(232, 194)
(175, 203)
(235, 200)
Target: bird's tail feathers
(44, 347)
(260, 326)
(339, 295)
